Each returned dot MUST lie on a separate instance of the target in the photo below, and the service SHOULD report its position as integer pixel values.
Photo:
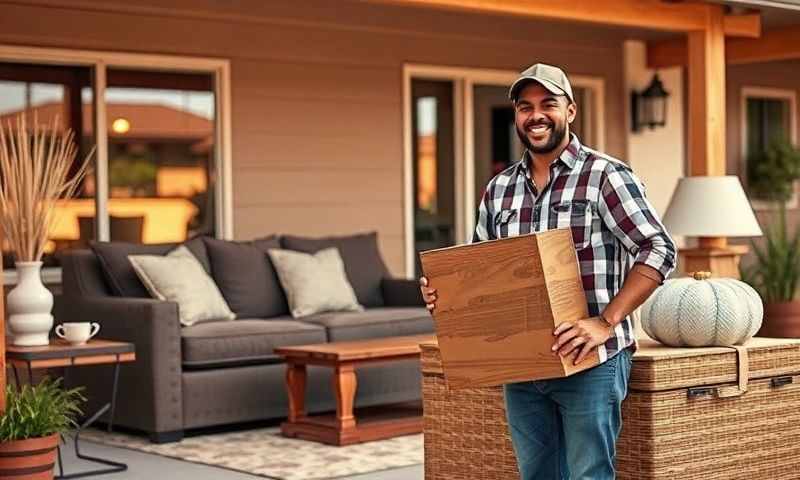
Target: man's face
(542, 118)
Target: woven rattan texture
(665, 435)
(669, 373)
(756, 436)
(466, 434)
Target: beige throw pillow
(314, 283)
(179, 277)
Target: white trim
(408, 177)
(223, 153)
(464, 80)
(101, 220)
(50, 276)
(773, 93)
(459, 139)
(468, 198)
(101, 60)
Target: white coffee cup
(77, 333)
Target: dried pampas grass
(35, 173)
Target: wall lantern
(649, 107)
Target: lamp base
(720, 261)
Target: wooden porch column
(707, 97)
(706, 64)
(2, 330)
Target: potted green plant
(775, 274)
(34, 419)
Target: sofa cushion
(178, 277)
(362, 261)
(244, 274)
(374, 323)
(314, 283)
(243, 342)
(118, 271)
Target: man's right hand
(428, 294)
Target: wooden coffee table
(344, 357)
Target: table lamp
(712, 209)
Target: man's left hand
(581, 336)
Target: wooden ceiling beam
(778, 44)
(774, 45)
(747, 25)
(651, 14)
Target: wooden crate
(673, 424)
(498, 304)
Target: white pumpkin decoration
(700, 311)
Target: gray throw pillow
(362, 261)
(179, 277)
(245, 276)
(118, 272)
(314, 283)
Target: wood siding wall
(317, 89)
(780, 75)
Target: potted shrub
(34, 419)
(775, 274)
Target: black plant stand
(62, 354)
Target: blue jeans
(567, 428)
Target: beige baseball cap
(552, 78)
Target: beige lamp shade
(710, 207)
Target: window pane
(48, 93)
(767, 120)
(583, 125)
(496, 142)
(161, 155)
(434, 165)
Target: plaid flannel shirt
(603, 203)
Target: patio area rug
(266, 453)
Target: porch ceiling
(646, 14)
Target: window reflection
(46, 93)
(160, 159)
(161, 153)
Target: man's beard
(556, 137)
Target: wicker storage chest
(683, 417)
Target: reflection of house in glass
(159, 164)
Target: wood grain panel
(295, 152)
(292, 80)
(498, 303)
(318, 118)
(707, 99)
(357, 350)
(326, 186)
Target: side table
(61, 354)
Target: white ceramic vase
(29, 306)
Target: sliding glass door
(460, 133)
(433, 165)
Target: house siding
(317, 117)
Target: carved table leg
(296, 386)
(344, 387)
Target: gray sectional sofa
(225, 372)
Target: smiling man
(567, 428)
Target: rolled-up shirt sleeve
(632, 219)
